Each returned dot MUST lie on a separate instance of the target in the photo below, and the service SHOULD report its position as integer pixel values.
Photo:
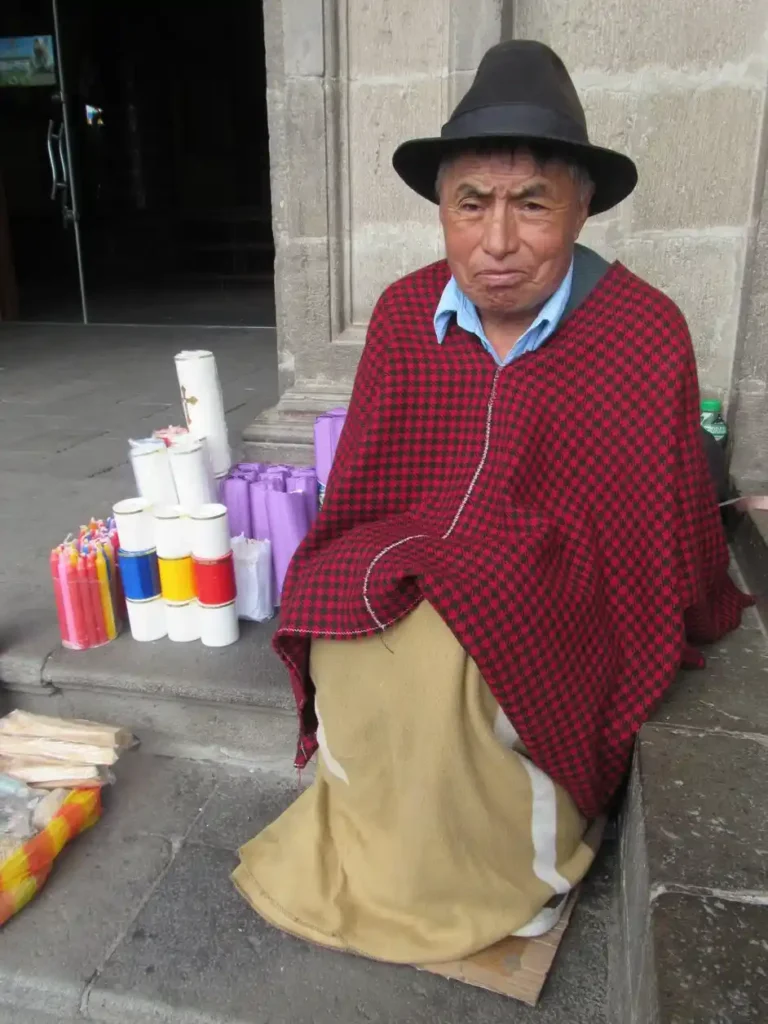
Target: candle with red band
(214, 580)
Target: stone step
(694, 834)
(139, 922)
(231, 704)
(694, 886)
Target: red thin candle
(94, 597)
(63, 629)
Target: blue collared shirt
(453, 301)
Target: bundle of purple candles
(274, 503)
(280, 503)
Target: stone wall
(681, 88)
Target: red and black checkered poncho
(558, 514)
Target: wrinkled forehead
(501, 166)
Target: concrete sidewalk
(70, 397)
(139, 922)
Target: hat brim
(613, 174)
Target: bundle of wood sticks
(49, 753)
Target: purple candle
(288, 525)
(259, 518)
(305, 481)
(324, 447)
(237, 499)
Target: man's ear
(584, 211)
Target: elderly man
(518, 542)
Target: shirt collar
(453, 301)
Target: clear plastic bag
(253, 577)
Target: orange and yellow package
(24, 871)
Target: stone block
(752, 364)
(713, 963)
(749, 536)
(303, 37)
(474, 28)
(758, 263)
(749, 431)
(302, 298)
(601, 234)
(730, 693)
(758, 268)
(611, 118)
(273, 41)
(696, 152)
(396, 39)
(703, 276)
(613, 35)
(297, 128)
(705, 792)
(382, 253)
(380, 118)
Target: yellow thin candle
(109, 554)
(106, 594)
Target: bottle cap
(712, 405)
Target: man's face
(509, 228)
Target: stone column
(748, 412)
(347, 81)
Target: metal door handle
(52, 159)
(62, 158)
(50, 138)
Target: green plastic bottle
(712, 420)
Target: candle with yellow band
(176, 582)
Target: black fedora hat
(522, 92)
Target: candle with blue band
(140, 575)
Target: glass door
(39, 216)
(170, 145)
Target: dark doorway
(39, 251)
(168, 147)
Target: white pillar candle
(218, 625)
(135, 525)
(209, 531)
(203, 404)
(152, 471)
(147, 619)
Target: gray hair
(540, 155)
